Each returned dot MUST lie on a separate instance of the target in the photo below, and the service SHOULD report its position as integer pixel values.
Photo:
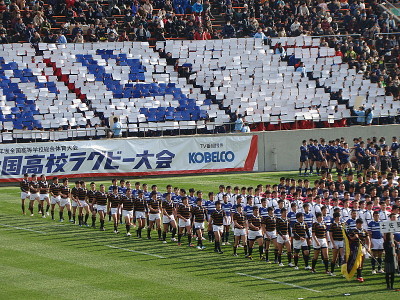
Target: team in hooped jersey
(291, 217)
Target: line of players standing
(366, 155)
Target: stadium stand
(164, 83)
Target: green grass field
(44, 259)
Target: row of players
(296, 229)
(366, 156)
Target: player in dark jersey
(91, 194)
(154, 214)
(184, 214)
(24, 186)
(359, 234)
(239, 231)
(282, 228)
(320, 242)
(113, 207)
(199, 213)
(100, 201)
(65, 193)
(255, 233)
(34, 194)
(303, 158)
(268, 226)
(126, 204)
(300, 236)
(168, 212)
(44, 195)
(217, 221)
(140, 212)
(55, 197)
(75, 200)
(83, 204)
(336, 234)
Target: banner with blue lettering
(130, 157)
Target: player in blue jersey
(309, 220)
(303, 158)
(248, 208)
(374, 231)
(210, 208)
(227, 208)
(264, 208)
(351, 222)
(311, 155)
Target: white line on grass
(134, 251)
(280, 282)
(21, 228)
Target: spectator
(61, 39)
(78, 38)
(197, 7)
(116, 128)
(360, 113)
(260, 34)
(239, 123)
(228, 31)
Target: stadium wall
(280, 150)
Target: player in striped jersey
(126, 204)
(140, 212)
(269, 233)
(113, 207)
(199, 213)
(65, 201)
(34, 194)
(319, 242)
(82, 204)
(44, 194)
(282, 228)
(300, 236)
(168, 212)
(184, 214)
(336, 235)
(217, 221)
(55, 196)
(255, 233)
(227, 208)
(92, 207)
(374, 231)
(239, 221)
(154, 215)
(24, 186)
(100, 201)
(75, 199)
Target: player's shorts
(102, 208)
(168, 219)
(303, 158)
(127, 213)
(239, 232)
(153, 217)
(198, 225)
(270, 235)
(55, 200)
(74, 203)
(344, 161)
(338, 245)
(322, 244)
(227, 220)
(140, 215)
(34, 196)
(182, 223)
(282, 240)
(377, 244)
(299, 244)
(83, 203)
(44, 196)
(25, 195)
(254, 235)
(64, 202)
(114, 210)
(219, 228)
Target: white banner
(390, 226)
(130, 157)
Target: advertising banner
(129, 157)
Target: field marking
(134, 251)
(21, 228)
(280, 282)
